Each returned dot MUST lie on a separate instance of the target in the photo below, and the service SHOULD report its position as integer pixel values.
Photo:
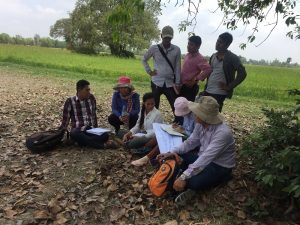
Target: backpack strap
(167, 59)
(174, 156)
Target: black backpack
(45, 141)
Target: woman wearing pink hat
(181, 109)
(125, 104)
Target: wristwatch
(183, 177)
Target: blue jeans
(211, 176)
(86, 139)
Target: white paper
(98, 131)
(139, 135)
(166, 142)
(169, 129)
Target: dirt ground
(73, 185)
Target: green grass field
(262, 82)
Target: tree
(28, 41)
(62, 28)
(18, 40)
(245, 12)
(288, 60)
(237, 13)
(96, 23)
(36, 39)
(5, 38)
(135, 31)
(243, 59)
(47, 42)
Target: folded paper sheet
(166, 142)
(168, 128)
(98, 131)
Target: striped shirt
(81, 112)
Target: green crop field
(262, 83)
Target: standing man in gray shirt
(165, 77)
(228, 71)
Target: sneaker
(140, 151)
(184, 197)
(140, 162)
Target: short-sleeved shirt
(217, 76)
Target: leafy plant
(275, 151)
(255, 208)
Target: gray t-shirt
(217, 76)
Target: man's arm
(192, 142)
(95, 110)
(66, 114)
(178, 67)
(145, 59)
(218, 145)
(240, 72)
(204, 67)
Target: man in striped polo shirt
(81, 110)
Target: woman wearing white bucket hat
(215, 159)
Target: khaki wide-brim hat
(207, 109)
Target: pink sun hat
(181, 106)
(123, 81)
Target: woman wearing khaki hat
(213, 163)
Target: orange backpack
(165, 176)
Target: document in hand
(169, 129)
(98, 131)
(166, 142)
(139, 135)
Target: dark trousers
(91, 140)
(220, 98)
(171, 97)
(211, 176)
(189, 93)
(116, 122)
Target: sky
(30, 17)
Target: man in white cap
(213, 163)
(165, 76)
